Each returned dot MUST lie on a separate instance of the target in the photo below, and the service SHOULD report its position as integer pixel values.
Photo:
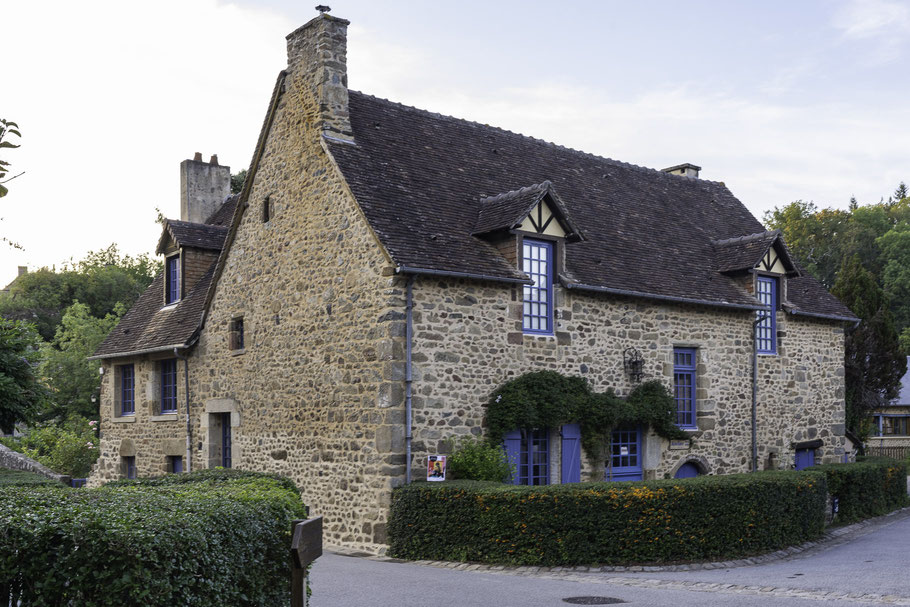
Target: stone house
(386, 268)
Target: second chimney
(683, 170)
(203, 187)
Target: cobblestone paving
(607, 575)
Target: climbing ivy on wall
(547, 399)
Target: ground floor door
(625, 456)
(805, 458)
(687, 470)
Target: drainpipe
(189, 428)
(409, 332)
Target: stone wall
(146, 435)
(13, 460)
(468, 341)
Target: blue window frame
(625, 456)
(169, 385)
(172, 280)
(766, 329)
(534, 461)
(129, 466)
(537, 298)
(127, 390)
(174, 464)
(226, 454)
(684, 386)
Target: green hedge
(708, 517)
(10, 478)
(870, 487)
(208, 538)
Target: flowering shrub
(71, 449)
(709, 517)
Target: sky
(780, 100)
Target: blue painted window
(537, 299)
(127, 390)
(529, 452)
(766, 330)
(172, 280)
(174, 464)
(570, 454)
(893, 425)
(625, 456)
(129, 466)
(226, 439)
(684, 386)
(169, 385)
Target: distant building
(22, 271)
(891, 424)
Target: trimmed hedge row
(200, 539)
(709, 517)
(21, 478)
(870, 487)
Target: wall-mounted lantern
(633, 363)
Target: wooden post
(306, 547)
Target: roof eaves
(796, 312)
(453, 274)
(644, 295)
(182, 346)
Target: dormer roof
(509, 210)
(764, 251)
(195, 235)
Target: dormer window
(537, 299)
(172, 279)
(766, 288)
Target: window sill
(238, 352)
(124, 419)
(164, 417)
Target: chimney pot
(683, 170)
(198, 157)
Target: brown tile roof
(151, 326)
(422, 179)
(743, 253)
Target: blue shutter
(571, 453)
(512, 444)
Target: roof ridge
(537, 187)
(575, 151)
(746, 238)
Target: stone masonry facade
(468, 341)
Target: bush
(197, 539)
(870, 487)
(709, 517)
(69, 449)
(21, 478)
(478, 460)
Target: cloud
(885, 23)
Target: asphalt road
(873, 567)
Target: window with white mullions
(537, 299)
(766, 329)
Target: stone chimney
(23, 270)
(203, 187)
(317, 62)
(683, 170)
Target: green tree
(100, 281)
(21, 393)
(72, 380)
(895, 275)
(874, 363)
(237, 180)
(900, 192)
(7, 128)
